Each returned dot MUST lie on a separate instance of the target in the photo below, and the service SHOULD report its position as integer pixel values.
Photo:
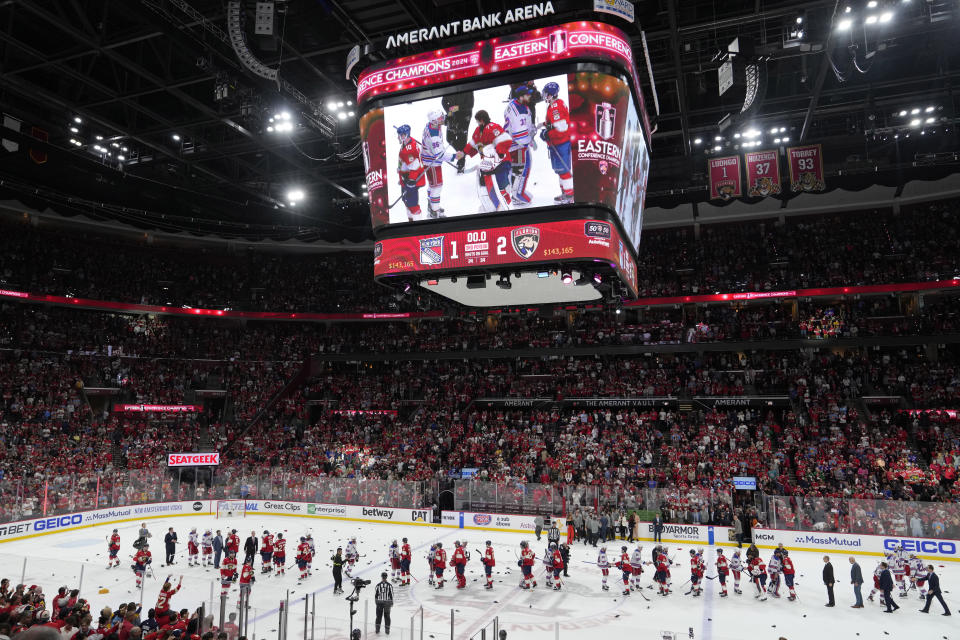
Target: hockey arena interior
(512, 319)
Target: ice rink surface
(580, 610)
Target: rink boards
(693, 534)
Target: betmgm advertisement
(546, 141)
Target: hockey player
(113, 547)
(434, 151)
(193, 548)
(410, 174)
(898, 562)
(918, 575)
(488, 564)
(430, 568)
(556, 133)
(518, 123)
(604, 564)
(280, 554)
(558, 566)
(313, 552)
(696, 573)
(393, 553)
(736, 566)
(246, 582)
(636, 568)
(228, 569)
(303, 557)
(439, 563)
(722, 570)
(405, 555)
(758, 574)
(351, 556)
(233, 542)
(526, 562)
(206, 549)
(625, 568)
(493, 144)
(548, 564)
(141, 560)
(459, 562)
(876, 582)
(266, 552)
(161, 612)
(773, 573)
(662, 575)
(789, 572)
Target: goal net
(231, 508)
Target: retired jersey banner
(763, 173)
(806, 168)
(725, 178)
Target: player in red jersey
(246, 581)
(662, 576)
(228, 570)
(459, 562)
(526, 561)
(303, 558)
(280, 554)
(233, 542)
(162, 610)
(556, 133)
(405, 556)
(439, 564)
(141, 561)
(557, 567)
(266, 552)
(758, 575)
(410, 172)
(789, 572)
(489, 562)
(114, 548)
(722, 570)
(625, 568)
(493, 144)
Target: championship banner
(541, 242)
(193, 459)
(725, 178)
(763, 173)
(158, 408)
(806, 168)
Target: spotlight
(597, 278)
(915, 122)
(342, 115)
(886, 17)
(870, 20)
(872, 4)
(176, 137)
(74, 130)
(295, 195)
(121, 158)
(717, 148)
(930, 120)
(698, 141)
(99, 137)
(914, 111)
(566, 277)
(504, 281)
(717, 138)
(928, 110)
(77, 119)
(845, 24)
(902, 113)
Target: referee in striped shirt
(383, 596)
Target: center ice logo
(525, 241)
(431, 250)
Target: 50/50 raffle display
(528, 142)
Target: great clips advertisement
(582, 144)
(552, 242)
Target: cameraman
(383, 596)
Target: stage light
(342, 115)
(121, 158)
(737, 135)
(176, 137)
(269, 129)
(799, 19)
(350, 114)
(698, 141)
(77, 119)
(74, 130)
(886, 17)
(295, 195)
(902, 113)
(915, 122)
(114, 145)
(914, 111)
(776, 140)
(785, 139)
(930, 120)
(597, 278)
(99, 137)
(718, 138)
(872, 4)
(566, 277)
(871, 20)
(845, 24)
(929, 110)
(774, 130)
(716, 148)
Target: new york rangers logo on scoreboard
(431, 250)
(525, 241)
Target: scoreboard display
(497, 155)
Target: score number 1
(479, 236)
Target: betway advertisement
(586, 147)
(925, 548)
(567, 240)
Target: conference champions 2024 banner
(543, 242)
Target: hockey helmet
(403, 131)
(114, 530)
(784, 553)
(719, 552)
(603, 549)
(489, 543)
(523, 544)
(692, 552)
(435, 117)
(439, 545)
(623, 548)
(550, 90)
(522, 90)
(404, 539)
(265, 532)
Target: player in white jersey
(193, 549)
(918, 575)
(313, 552)
(429, 559)
(548, 564)
(518, 120)
(898, 567)
(773, 573)
(393, 555)
(876, 582)
(736, 566)
(434, 151)
(604, 564)
(636, 568)
(351, 556)
(206, 548)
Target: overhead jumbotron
(519, 161)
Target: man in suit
(170, 540)
(657, 528)
(856, 579)
(828, 580)
(250, 548)
(886, 586)
(217, 549)
(933, 591)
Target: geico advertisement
(53, 524)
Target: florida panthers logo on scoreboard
(431, 250)
(525, 241)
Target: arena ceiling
(159, 83)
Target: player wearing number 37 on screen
(493, 144)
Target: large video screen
(573, 138)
